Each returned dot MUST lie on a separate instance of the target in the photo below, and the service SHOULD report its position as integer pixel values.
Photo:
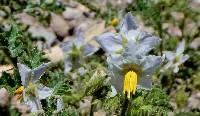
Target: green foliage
(21, 49)
(113, 104)
(10, 82)
(181, 97)
(149, 103)
(46, 5)
(196, 81)
(41, 11)
(18, 49)
(94, 85)
(13, 5)
(187, 114)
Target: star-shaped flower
(131, 70)
(33, 91)
(176, 58)
(127, 59)
(75, 51)
(114, 43)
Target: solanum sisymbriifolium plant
(128, 61)
(32, 90)
(75, 51)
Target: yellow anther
(19, 90)
(130, 83)
(115, 22)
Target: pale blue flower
(33, 91)
(175, 59)
(129, 63)
(75, 51)
(132, 61)
(114, 43)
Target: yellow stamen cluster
(19, 92)
(115, 22)
(130, 83)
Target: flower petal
(169, 55)
(133, 52)
(133, 35)
(115, 61)
(68, 64)
(81, 71)
(144, 82)
(44, 92)
(39, 71)
(128, 23)
(25, 73)
(176, 68)
(110, 43)
(168, 65)
(89, 50)
(181, 47)
(79, 40)
(184, 58)
(117, 78)
(149, 65)
(33, 104)
(66, 46)
(149, 41)
(117, 81)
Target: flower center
(130, 83)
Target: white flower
(127, 59)
(114, 43)
(132, 71)
(177, 58)
(75, 51)
(33, 91)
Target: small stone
(100, 113)
(2, 13)
(4, 97)
(6, 26)
(195, 43)
(177, 15)
(6, 68)
(59, 25)
(194, 101)
(55, 55)
(26, 19)
(85, 105)
(46, 33)
(190, 28)
(71, 13)
(172, 30)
